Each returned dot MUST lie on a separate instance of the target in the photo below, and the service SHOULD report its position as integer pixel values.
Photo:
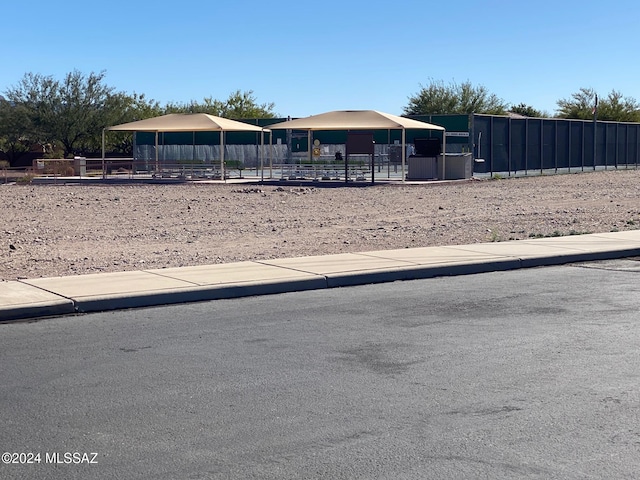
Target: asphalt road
(522, 374)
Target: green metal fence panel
(517, 144)
(576, 141)
(549, 150)
(563, 130)
(526, 145)
(534, 146)
(633, 143)
(500, 142)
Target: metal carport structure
(186, 122)
(360, 120)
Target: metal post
(569, 143)
(157, 167)
(134, 143)
(595, 132)
(346, 160)
(222, 155)
(289, 139)
(104, 172)
(555, 144)
(582, 149)
(491, 137)
(510, 150)
(617, 145)
(373, 168)
(606, 150)
(526, 146)
(262, 156)
(541, 146)
(637, 144)
(389, 153)
(404, 152)
(444, 154)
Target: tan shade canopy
(354, 120)
(187, 122)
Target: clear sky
(311, 57)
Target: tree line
(64, 118)
(465, 98)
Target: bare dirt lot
(58, 230)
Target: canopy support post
(262, 156)
(346, 160)
(373, 168)
(157, 166)
(404, 152)
(224, 178)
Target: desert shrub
(25, 179)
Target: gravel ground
(57, 230)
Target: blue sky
(312, 57)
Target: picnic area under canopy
(359, 120)
(186, 122)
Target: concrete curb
(19, 301)
(122, 290)
(419, 272)
(195, 294)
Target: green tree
(238, 105)
(526, 110)
(70, 111)
(618, 108)
(14, 128)
(579, 106)
(454, 98)
(123, 108)
(614, 107)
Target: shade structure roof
(187, 122)
(354, 120)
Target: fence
(131, 168)
(273, 161)
(13, 174)
(531, 145)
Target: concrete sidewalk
(54, 296)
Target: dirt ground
(57, 230)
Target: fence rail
(13, 174)
(358, 168)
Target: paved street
(529, 373)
